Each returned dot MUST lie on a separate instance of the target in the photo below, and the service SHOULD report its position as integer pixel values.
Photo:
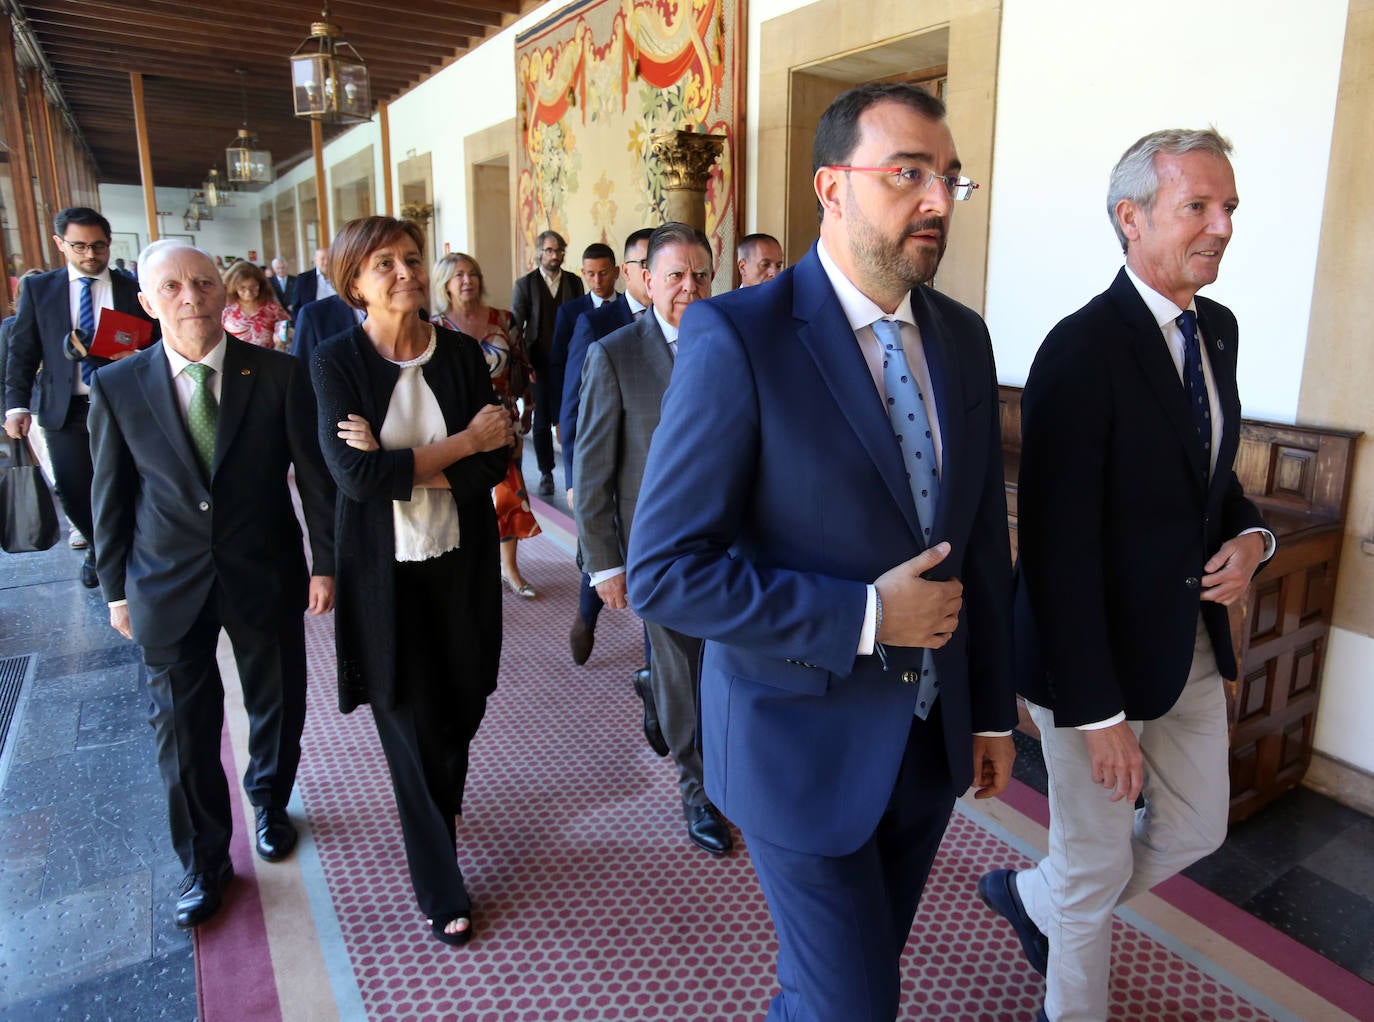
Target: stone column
(687, 157)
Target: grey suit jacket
(623, 380)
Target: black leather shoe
(998, 891)
(276, 834)
(89, 579)
(653, 734)
(546, 484)
(580, 640)
(200, 895)
(707, 830)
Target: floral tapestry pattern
(595, 83)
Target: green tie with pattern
(202, 414)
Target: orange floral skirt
(513, 515)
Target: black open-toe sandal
(439, 927)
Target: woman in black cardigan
(415, 439)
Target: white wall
(1345, 718)
(1078, 83)
(234, 232)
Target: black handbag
(28, 516)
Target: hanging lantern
(329, 78)
(218, 192)
(246, 162)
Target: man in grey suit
(623, 380)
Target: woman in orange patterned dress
(460, 304)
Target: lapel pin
(1221, 345)
(245, 372)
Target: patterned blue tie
(1195, 384)
(906, 410)
(87, 324)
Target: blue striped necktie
(87, 324)
(906, 410)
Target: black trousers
(187, 715)
(541, 426)
(70, 451)
(439, 706)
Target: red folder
(118, 332)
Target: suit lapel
(235, 389)
(657, 358)
(826, 334)
(1221, 354)
(1157, 367)
(949, 403)
(155, 379)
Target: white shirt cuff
(868, 636)
(1270, 543)
(17, 411)
(1099, 725)
(118, 603)
(597, 577)
(992, 734)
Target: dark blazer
(350, 376)
(283, 289)
(623, 381)
(591, 326)
(535, 311)
(1116, 513)
(42, 323)
(774, 493)
(164, 536)
(320, 321)
(304, 287)
(568, 315)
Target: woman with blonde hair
(460, 304)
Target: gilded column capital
(687, 157)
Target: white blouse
(427, 524)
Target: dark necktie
(87, 325)
(1195, 384)
(906, 410)
(202, 415)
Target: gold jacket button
(909, 678)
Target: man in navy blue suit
(589, 327)
(599, 273)
(40, 381)
(320, 321)
(856, 673)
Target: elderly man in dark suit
(282, 282)
(534, 303)
(1135, 536)
(623, 381)
(824, 506)
(196, 531)
(310, 286)
(58, 393)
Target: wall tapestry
(595, 83)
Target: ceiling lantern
(248, 165)
(329, 78)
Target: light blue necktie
(907, 411)
(86, 312)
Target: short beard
(885, 261)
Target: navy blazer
(320, 321)
(568, 314)
(41, 326)
(164, 535)
(1117, 514)
(591, 326)
(774, 494)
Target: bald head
(182, 290)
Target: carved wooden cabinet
(1299, 477)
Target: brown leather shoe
(580, 640)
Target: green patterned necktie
(202, 414)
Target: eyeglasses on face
(918, 179)
(81, 248)
(554, 251)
